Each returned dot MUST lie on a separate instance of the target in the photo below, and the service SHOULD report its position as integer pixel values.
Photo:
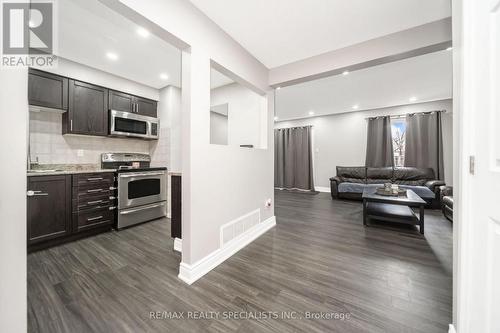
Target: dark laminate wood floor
(319, 258)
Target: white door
(477, 56)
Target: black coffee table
(393, 209)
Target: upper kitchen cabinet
(129, 103)
(47, 90)
(87, 110)
(146, 107)
(121, 102)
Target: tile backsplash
(50, 147)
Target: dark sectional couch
(351, 181)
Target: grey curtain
(293, 166)
(379, 151)
(424, 142)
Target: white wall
(340, 140)
(220, 183)
(218, 128)
(87, 74)
(13, 143)
(244, 113)
(167, 150)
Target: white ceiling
(278, 32)
(88, 30)
(427, 77)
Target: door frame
(464, 87)
(461, 136)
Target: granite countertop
(65, 169)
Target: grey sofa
(447, 202)
(350, 182)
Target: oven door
(129, 124)
(141, 188)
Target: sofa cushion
(422, 191)
(351, 187)
(352, 174)
(379, 175)
(412, 176)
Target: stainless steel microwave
(133, 125)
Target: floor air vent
(235, 228)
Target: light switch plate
(79, 153)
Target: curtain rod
(404, 115)
(281, 128)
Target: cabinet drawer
(93, 218)
(86, 179)
(90, 193)
(93, 202)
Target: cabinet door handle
(94, 179)
(137, 107)
(36, 194)
(71, 125)
(112, 198)
(94, 202)
(112, 188)
(94, 191)
(94, 218)
(112, 208)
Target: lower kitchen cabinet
(49, 208)
(94, 201)
(67, 207)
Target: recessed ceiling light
(412, 99)
(449, 48)
(311, 113)
(112, 56)
(276, 118)
(143, 32)
(345, 73)
(355, 106)
(163, 76)
(278, 88)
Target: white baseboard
(178, 245)
(452, 329)
(322, 189)
(191, 273)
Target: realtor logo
(27, 34)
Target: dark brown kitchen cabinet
(94, 201)
(87, 109)
(146, 107)
(47, 90)
(63, 208)
(129, 103)
(49, 208)
(121, 102)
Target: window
(398, 131)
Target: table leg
(364, 211)
(421, 218)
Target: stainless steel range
(142, 190)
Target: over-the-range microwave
(133, 125)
